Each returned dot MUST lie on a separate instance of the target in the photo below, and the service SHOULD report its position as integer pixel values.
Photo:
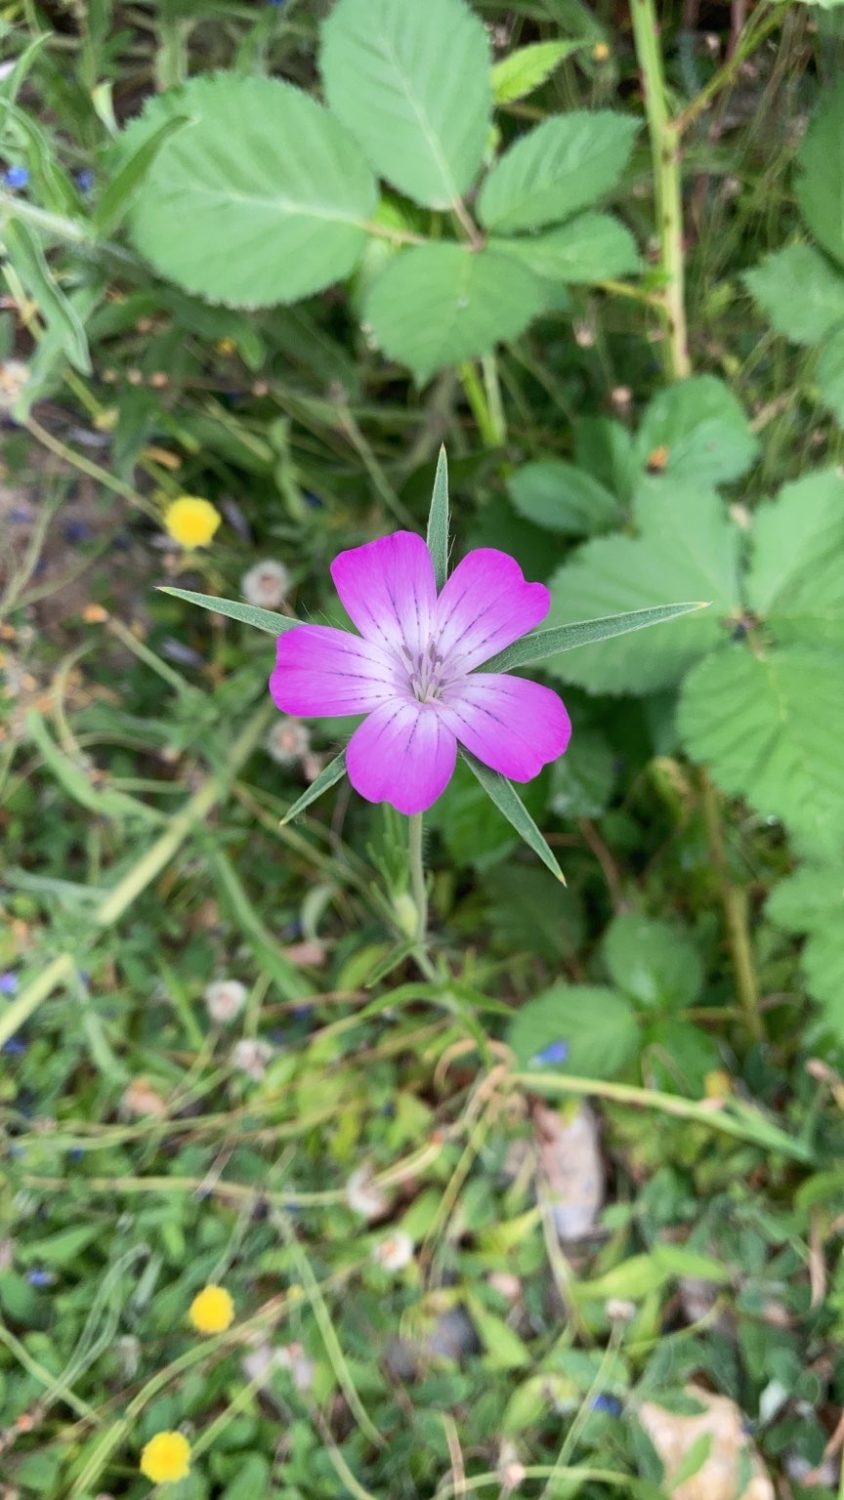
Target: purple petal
(388, 590)
(320, 671)
(512, 725)
(402, 754)
(486, 605)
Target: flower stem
(488, 425)
(665, 150)
(417, 879)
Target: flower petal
(388, 590)
(320, 670)
(512, 725)
(485, 605)
(402, 754)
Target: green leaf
(564, 164)
(811, 902)
(771, 729)
(262, 199)
(546, 644)
(687, 546)
(597, 1025)
(796, 581)
(436, 305)
(653, 962)
(799, 292)
(562, 498)
(820, 185)
(592, 247)
(703, 429)
(248, 614)
(830, 375)
(126, 182)
(473, 830)
(582, 780)
(522, 71)
(505, 1350)
(328, 777)
(412, 82)
(438, 520)
(505, 797)
(26, 255)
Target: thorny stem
(734, 901)
(665, 151)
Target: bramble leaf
(592, 247)
(564, 164)
(262, 199)
(412, 83)
(436, 305)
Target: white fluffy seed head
(251, 1057)
(224, 1000)
(364, 1196)
(288, 741)
(266, 584)
(395, 1252)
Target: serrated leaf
(438, 520)
(590, 248)
(820, 185)
(263, 199)
(522, 71)
(597, 1026)
(125, 184)
(771, 728)
(327, 778)
(687, 546)
(605, 449)
(799, 292)
(412, 82)
(560, 497)
(546, 644)
(564, 164)
(24, 251)
(811, 902)
(653, 962)
(830, 375)
(248, 614)
(796, 580)
(700, 432)
(505, 797)
(436, 305)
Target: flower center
(425, 671)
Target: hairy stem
(665, 151)
(417, 879)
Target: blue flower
(8, 983)
(85, 180)
(16, 177)
(14, 1047)
(39, 1277)
(610, 1404)
(555, 1052)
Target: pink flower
(411, 670)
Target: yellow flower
(191, 521)
(166, 1458)
(212, 1310)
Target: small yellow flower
(212, 1310)
(600, 52)
(166, 1458)
(191, 521)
